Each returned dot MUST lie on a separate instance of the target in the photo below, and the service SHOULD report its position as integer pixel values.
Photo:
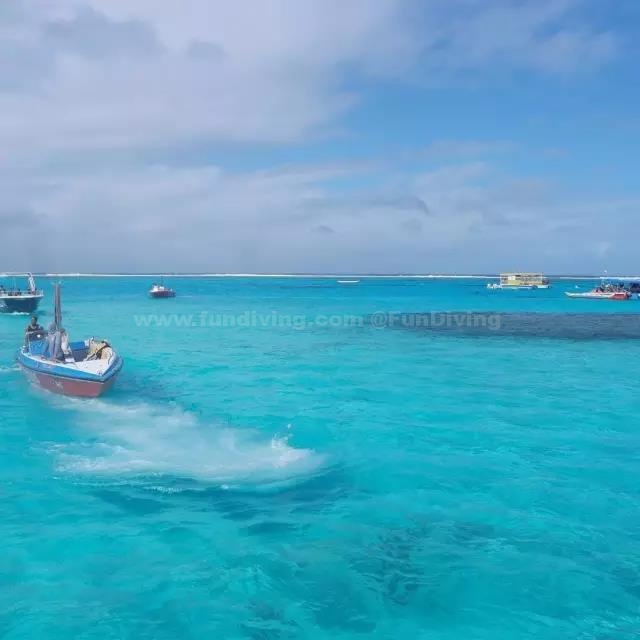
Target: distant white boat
(348, 281)
(520, 281)
(160, 291)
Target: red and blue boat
(86, 368)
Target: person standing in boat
(33, 329)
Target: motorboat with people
(13, 299)
(599, 295)
(86, 368)
(632, 285)
(520, 281)
(160, 291)
(604, 291)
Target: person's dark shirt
(33, 328)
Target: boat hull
(162, 294)
(599, 296)
(19, 304)
(515, 287)
(68, 386)
(59, 378)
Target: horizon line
(299, 275)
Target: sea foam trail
(9, 369)
(142, 440)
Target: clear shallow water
(266, 482)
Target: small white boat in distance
(520, 281)
(348, 281)
(160, 291)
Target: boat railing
(15, 293)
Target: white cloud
(487, 221)
(100, 74)
(214, 220)
(90, 89)
(547, 35)
(464, 217)
(109, 74)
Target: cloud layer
(102, 100)
(101, 75)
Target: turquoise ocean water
(271, 482)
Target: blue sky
(320, 136)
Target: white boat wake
(147, 442)
(9, 369)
